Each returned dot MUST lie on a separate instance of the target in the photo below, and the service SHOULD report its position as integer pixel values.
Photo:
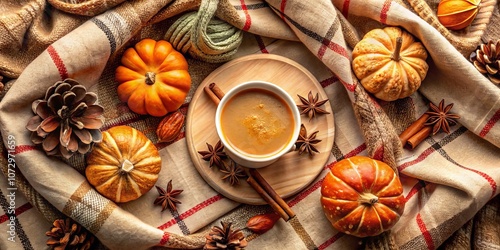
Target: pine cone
(67, 234)
(67, 120)
(486, 59)
(225, 238)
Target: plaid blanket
(450, 180)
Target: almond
(262, 223)
(170, 127)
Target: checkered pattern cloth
(449, 180)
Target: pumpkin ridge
(132, 60)
(335, 199)
(145, 163)
(109, 181)
(465, 21)
(346, 217)
(143, 174)
(405, 86)
(375, 180)
(376, 88)
(344, 183)
(114, 145)
(107, 168)
(135, 157)
(362, 219)
(390, 185)
(119, 189)
(175, 78)
(378, 217)
(133, 184)
(154, 104)
(130, 151)
(104, 155)
(461, 11)
(389, 207)
(354, 166)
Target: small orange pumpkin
(362, 196)
(457, 14)
(124, 166)
(389, 63)
(153, 78)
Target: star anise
(311, 106)
(166, 197)
(306, 142)
(214, 155)
(439, 117)
(232, 173)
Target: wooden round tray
(292, 172)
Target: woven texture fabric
(459, 168)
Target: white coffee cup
(253, 160)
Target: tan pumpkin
(153, 78)
(362, 197)
(389, 63)
(457, 14)
(124, 166)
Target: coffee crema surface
(257, 122)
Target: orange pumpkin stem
(150, 78)
(368, 199)
(395, 56)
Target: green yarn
(204, 37)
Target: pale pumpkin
(153, 78)
(389, 63)
(124, 166)
(457, 14)
(361, 196)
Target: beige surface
(292, 172)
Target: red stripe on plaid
(248, 21)
(24, 148)
(18, 212)
(164, 239)
(345, 8)
(425, 232)
(192, 211)
(333, 46)
(282, 9)
(356, 151)
(385, 9)
(349, 86)
(430, 150)
(414, 190)
(489, 125)
(329, 81)
(330, 241)
(420, 158)
(488, 178)
(261, 44)
(63, 72)
(302, 195)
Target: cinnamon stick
(275, 196)
(216, 90)
(414, 128)
(211, 94)
(418, 137)
(269, 200)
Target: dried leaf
(262, 223)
